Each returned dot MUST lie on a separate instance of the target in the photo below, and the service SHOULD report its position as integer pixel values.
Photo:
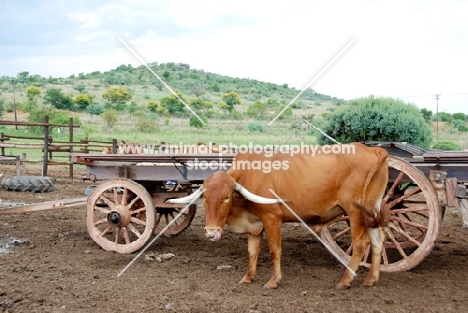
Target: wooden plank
(44, 206)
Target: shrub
(147, 125)
(110, 117)
(195, 121)
(446, 145)
(377, 119)
(462, 128)
(253, 126)
(94, 109)
(236, 115)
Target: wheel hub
(119, 217)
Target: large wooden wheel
(413, 228)
(167, 212)
(120, 215)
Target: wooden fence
(50, 148)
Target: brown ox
(317, 188)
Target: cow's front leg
(254, 244)
(273, 232)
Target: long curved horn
(188, 198)
(253, 197)
(2, 174)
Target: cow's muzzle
(214, 233)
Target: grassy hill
(191, 83)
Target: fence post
(70, 130)
(114, 146)
(2, 140)
(46, 146)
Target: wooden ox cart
(128, 206)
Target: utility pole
(437, 114)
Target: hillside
(191, 83)
(138, 123)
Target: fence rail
(50, 148)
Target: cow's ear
(236, 196)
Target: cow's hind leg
(254, 244)
(376, 238)
(360, 240)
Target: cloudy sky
(409, 49)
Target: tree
(110, 117)
(117, 96)
(56, 98)
(173, 105)
(377, 119)
(32, 92)
(256, 109)
(427, 114)
(82, 101)
(152, 106)
(223, 107)
(231, 99)
(201, 105)
(460, 116)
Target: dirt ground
(48, 263)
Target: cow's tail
(372, 216)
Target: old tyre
(28, 183)
(120, 215)
(413, 229)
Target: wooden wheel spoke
(384, 255)
(107, 201)
(139, 210)
(405, 196)
(395, 242)
(350, 249)
(404, 233)
(134, 230)
(99, 222)
(124, 196)
(341, 233)
(391, 191)
(173, 218)
(117, 233)
(138, 221)
(107, 230)
(126, 235)
(411, 210)
(410, 223)
(132, 203)
(100, 209)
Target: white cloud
(402, 48)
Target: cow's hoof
(341, 286)
(243, 282)
(267, 286)
(367, 284)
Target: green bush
(462, 128)
(236, 115)
(2, 106)
(195, 121)
(446, 145)
(55, 117)
(253, 126)
(147, 125)
(377, 119)
(94, 109)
